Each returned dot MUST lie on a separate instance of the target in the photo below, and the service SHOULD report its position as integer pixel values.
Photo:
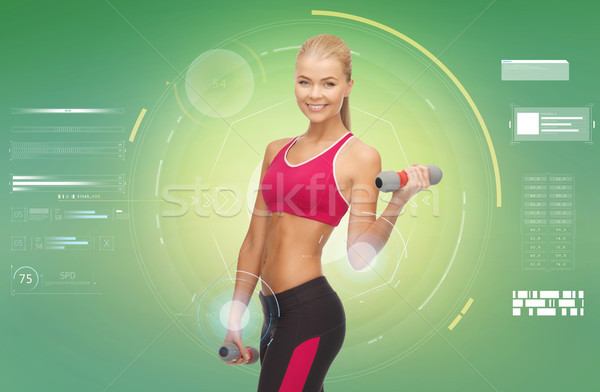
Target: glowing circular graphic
(212, 312)
(25, 278)
(219, 83)
(224, 314)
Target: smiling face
(322, 83)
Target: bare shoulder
(361, 154)
(274, 147)
(279, 143)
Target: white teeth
(316, 107)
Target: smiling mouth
(316, 108)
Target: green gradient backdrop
(156, 323)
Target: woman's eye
(304, 81)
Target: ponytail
(345, 113)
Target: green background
(155, 325)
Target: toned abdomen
(292, 253)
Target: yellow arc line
(467, 305)
(459, 317)
(260, 64)
(181, 105)
(446, 71)
(137, 124)
(453, 324)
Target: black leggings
(302, 333)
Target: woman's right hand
(418, 180)
(235, 337)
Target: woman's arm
(367, 234)
(251, 252)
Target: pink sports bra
(308, 189)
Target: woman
(307, 184)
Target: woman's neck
(331, 129)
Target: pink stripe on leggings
(299, 366)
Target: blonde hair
(323, 46)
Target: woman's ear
(349, 88)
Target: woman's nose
(315, 92)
